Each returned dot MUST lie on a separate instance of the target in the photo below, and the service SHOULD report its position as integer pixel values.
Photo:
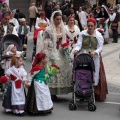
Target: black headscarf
(103, 14)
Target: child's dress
(38, 97)
(14, 98)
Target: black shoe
(114, 42)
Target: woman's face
(71, 21)
(102, 9)
(5, 5)
(58, 20)
(91, 27)
(80, 9)
(72, 11)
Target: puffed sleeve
(78, 45)
(36, 24)
(100, 42)
(46, 39)
(42, 41)
(8, 72)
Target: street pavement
(107, 110)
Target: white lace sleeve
(42, 41)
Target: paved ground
(107, 110)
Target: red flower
(3, 79)
(65, 45)
(53, 65)
(100, 30)
(102, 20)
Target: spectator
(67, 11)
(82, 17)
(18, 15)
(32, 15)
(57, 8)
(13, 21)
(39, 9)
(114, 18)
(5, 7)
(48, 9)
(5, 26)
(24, 32)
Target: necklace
(71, 28)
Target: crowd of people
(58, 26)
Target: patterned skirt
(60, 83)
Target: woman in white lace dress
(53, 39)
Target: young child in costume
(9, 53)
(38, 97)
(14, 98)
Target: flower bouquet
(65, 46)
(52, 71)
(4, 79)
(102, 20)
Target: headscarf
(38, 58)
(71, 17)
(9, 48)
(52, 25)
(92, 20)
(43, 13)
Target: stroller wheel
(72, 106)
(91, 107)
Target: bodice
(89, 43)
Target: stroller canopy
(11, 39)
(84, 59)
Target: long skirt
(101, 89)
(7, 103)
(33, 106)
(60, 83)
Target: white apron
(17, 94)
(43, 97)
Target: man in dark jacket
(67, 11)
(18, 15)
(48, 10)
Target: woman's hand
(75, 52)
(27, 85)
(92, 54)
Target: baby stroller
(83, 90)
(5, 42)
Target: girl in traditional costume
(51, 43)
(14, 98)
(72, 32)
(38, 97)
(91, 41)
(41, 22)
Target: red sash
(17, 82)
